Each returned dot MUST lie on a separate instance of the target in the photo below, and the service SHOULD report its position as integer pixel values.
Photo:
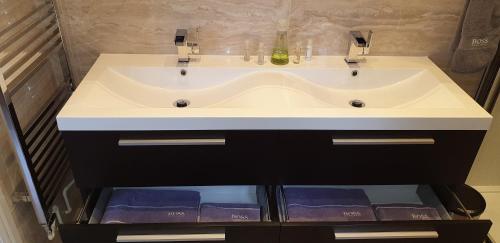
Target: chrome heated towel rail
(26, 46)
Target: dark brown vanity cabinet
(109, 159)
(102, 160)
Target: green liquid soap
(280, 56)
(280, 49)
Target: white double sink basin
(142, 92)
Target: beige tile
(329, 22)
(430, 27)
(414, 28)
(116, 26)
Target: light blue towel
(230, 212)
(405, 212)
(132, 206)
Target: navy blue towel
(320, 196)
(133, 206)
(307, 204)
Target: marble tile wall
(422, 28)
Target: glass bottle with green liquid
(280, 49)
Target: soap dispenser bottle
(280, 49)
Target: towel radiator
(26, 46)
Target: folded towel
(318, 196)
(330, 213)
(229, 212)
(477, 40)
(129, 206)
(396, 212)
(308, 204)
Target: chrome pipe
(13, 134)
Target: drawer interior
(215, 204)
(368, 203)
(276, 224)
(396, 213)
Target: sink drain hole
(181, 103)
(357, 103)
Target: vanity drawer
(444, 230)
(379, 157)
(89, 227)
(233, 233)
(118, 159)
(114, 159)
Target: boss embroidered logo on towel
(176, 213)
(416, 216)
(239, 217)
(352, 214)
(480, 42)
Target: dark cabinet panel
(151, 159)
(85, 233)
(379, 157)
(400, 232)
(107, 159)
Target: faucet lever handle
(358, 38)
(181, 37)
(369, 39)
(366, 49)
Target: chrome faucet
(185, 48)
(358, 46)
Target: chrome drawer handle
(383, 141)
(386, 235)
(171, 238)
(172, 142)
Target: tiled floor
(492, 196)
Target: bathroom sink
(153, 92)
(288, 88)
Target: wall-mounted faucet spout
(358, 46)
(185, 48)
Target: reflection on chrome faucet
(358, 46)
(185, 47)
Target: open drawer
(409, 213)
(236, 214)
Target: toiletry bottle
(280, 49)
(260, 54)
(246, 55)
(298, 52)
(309, 50)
